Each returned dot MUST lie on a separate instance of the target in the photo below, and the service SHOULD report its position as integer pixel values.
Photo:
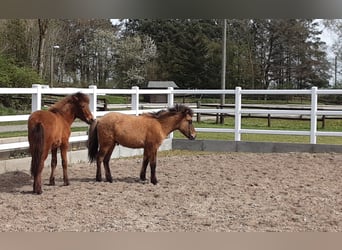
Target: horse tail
(36, 145)
(93, 142)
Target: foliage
(19, 77)
(187, 50)
(133, 57)
(261, 53)
(14, 42)
(13, 76)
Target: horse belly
(126, 130)
(56, 143)
(130, 141)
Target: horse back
(56, 129)
(129, 130)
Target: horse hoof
(154, 182)
(52, 183)
(142, 181)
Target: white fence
(38, 90)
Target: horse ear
(189, 112)
(75, 98)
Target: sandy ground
(225, 192)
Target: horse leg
(98, 169)
(37, 182)
(106, 160)
(64, 151)
(53, 166)
(99, 159)
(144, 166)
(153, 165)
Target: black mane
(178, 108)
(60, 105)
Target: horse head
(185, 126)
(81, 104)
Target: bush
(12, 76)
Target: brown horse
(145, 131)
(50, 129)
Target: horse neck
(66, 112)
(169, 123)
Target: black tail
(36, 139)
(93, 142)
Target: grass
(11, 111)
(24, 133)
(247, 123)
(276, 124)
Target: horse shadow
(17, 181)
(13, 181)
(127, 179)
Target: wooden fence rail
(220, 115)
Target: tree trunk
(43, 24)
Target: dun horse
(145, 131)
(50, 129)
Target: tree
(16, 77)
(85, 54)
(134, 53)
(335, 27)
(14, 42)
(261, 53)
(289, 54)
(43, 26)
(185, 49)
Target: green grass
(12, 111)
(276, 124)
(24, 133)
(247, 123)
(117, 99)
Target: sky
(329, 37)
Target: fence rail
(37, 91)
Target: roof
(161, 84)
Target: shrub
(16, 77)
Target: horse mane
(60, 105)
(178, 108)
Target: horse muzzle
(192, 136)
(90, 121)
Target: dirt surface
(196, 192)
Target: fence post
(170, 103)
(93, 100)
(237, 113)
(313, 116)
(170, 97)
(37, 98)
(198, 114)
(135, 100)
